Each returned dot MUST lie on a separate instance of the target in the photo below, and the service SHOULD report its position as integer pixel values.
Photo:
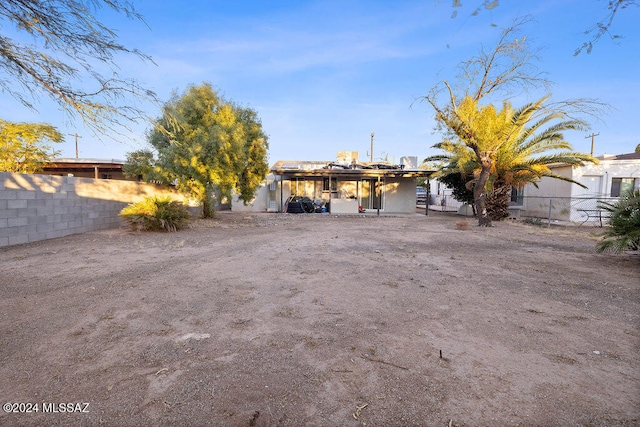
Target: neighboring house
(608, 179)
(86, 168)
(441, 197)
(344, 185)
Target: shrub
(156, 213)
(624, 224)
(534, 221)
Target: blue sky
(323, 75)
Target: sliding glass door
(372, 194)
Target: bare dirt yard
(291, 320)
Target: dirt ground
(282, 319)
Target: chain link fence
(583, 211)
(444, 203)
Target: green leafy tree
(25, 147)
(430, 166)
(253, 163)
(209, 146)
(460, 188)
(638, 148)
(65, 41)
(140, 165)
(455, 170)
(624, 224)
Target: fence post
(549, 223)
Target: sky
(323, 75)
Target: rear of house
(345, 186)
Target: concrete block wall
(38, 207)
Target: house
(86, 168)
(345, 186)
(441, 199)
(561, 200)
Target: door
(372, 194)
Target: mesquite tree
(210, 147)
(62, 50)
(25, 147)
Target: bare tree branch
(68, 43)
(598, 30)
(602, 27)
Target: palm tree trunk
(498, 202)
(480, 191)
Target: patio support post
(281, 194)
(331, 192)
(378, 194)
(426, 202)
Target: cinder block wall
(38, 207)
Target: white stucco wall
(597, 178)
(258, 204)
(568, 200)
(400, 195)
(606, 170)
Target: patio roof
(81, 165)
(292, 169)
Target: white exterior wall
(596, 177)
(344, 206)
(549, 187)
(606, 170)
(442, 197)
(536, 200)
(400, 195)
(258, 204)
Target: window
(325, 184)
(107, 176)
(297, 186)
(517, 196)
(621, 185)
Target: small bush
(534, 221)
(156, 213)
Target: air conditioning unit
(409, 162)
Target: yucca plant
(624, 224)
(156, 213)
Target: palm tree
(624, 221)
(498, 150)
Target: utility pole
(371, 152)
(592, 136)
(77, 136)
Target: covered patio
(346, 187)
